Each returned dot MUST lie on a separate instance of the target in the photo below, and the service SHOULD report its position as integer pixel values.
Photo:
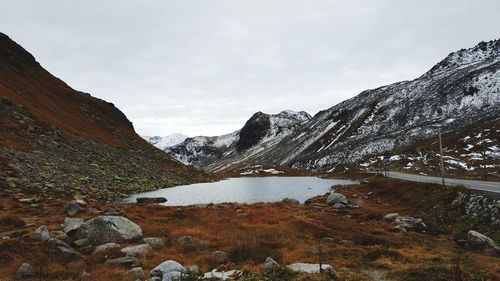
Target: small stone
(26, 271)
(336, 198)
(220, 257)
(42, 233)
(270, 264)
(391, 216)
(136, 273)
(155, 242)
(124, 261)
(80, 243)
(106, 247)
(185, 240)
(136, 250)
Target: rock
(136, 273)
(185, 240)
(59, 235)
(124, 261)
(290, 201)
(363, 181)
(409, 223)
(339, 206)
(109, 229)
(113, 212)
(72, 208)
(26, 271)
(42, 233)
(136, 250)
(270, 264)
(71, 225)
(167, 271)
(335, 198)
(220, 257)
(147, 200)
(106, 247)
(154, 242)
(221, 275)
(480, 241)
(391, 216)
(312, 268)
(62, 250)
(193, 268)
(80, 243)
(80, 202)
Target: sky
(203, 67)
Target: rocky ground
(380, 230)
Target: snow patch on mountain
(165, 141)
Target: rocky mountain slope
(54, 139)
(166, 141)
(260, 132)
(461, 94)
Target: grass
(288, 233)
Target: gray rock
(335, 198)
(109, 229)
(42, 233)
(270, 264)
(220, 257)
(127, 261)
(391, 216)
(154, 242)
(136, 273)
(106, 248)
(479, 241)
(72, 208)
(185, 240)
(222, 275)
(193, 268)
(26, 271)
(409, 223)
(62, 250)
(71, 225)
(80, 243)
(290, 201)
(59, 235)
(167, 271)
(136, 250)
(312, 268)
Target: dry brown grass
(287, 233)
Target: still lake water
(244, 190)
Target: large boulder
(336, 198)
(479, 241)
(167, 271)
(109, 229)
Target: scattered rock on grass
(136, 273)
(26, 270)
(270, 264)
(312, 268)
(391, 216)
(409, 223)
(136, 250)
(71, 225)
(336, 198)
(480, 241)
(290, 201)
(167, 271)
(42, 233)
(155, 242)
(220, 257)
(185, 240)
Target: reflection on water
(244, 190)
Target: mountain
(259, 132)
(54, 139)
(460, 94)
(165, 141)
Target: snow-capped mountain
(165, 141)
(460, 94)
(261, 131)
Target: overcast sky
(204, 67)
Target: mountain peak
(467, 57)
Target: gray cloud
(203, 67)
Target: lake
(244, 190)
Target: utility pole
(441, 152)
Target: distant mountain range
(460, 94)
(166, 141)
